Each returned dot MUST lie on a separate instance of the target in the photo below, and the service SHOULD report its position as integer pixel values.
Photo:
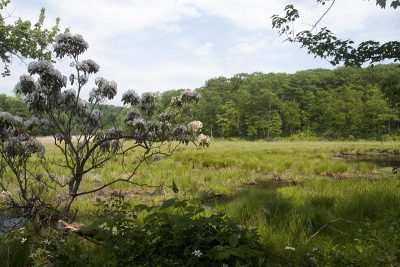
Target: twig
(323, 227)
(323, 15)
(334, 229)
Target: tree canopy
(22, 39)
(326, 44)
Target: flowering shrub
(81, 133)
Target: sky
(157, 45)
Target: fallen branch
(93, 235)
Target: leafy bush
(174, 234)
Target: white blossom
(93, 66)
(130, 97)
(204, 140)
(195, 126)
(69, 45)
(197, 253)
(82, 66)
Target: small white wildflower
(224, 265)
(148, 232)
(252, 228)
(47, 242)
(23, 240)
(290, 248)
(197, 253)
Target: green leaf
(95, 224)
(172, 202)
(233, 240)
(174, 187)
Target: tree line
(343, 103)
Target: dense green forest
(343, 103)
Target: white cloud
(346, 18)
(171, 28)
(250, 15)
(197, 50)
(159, 44)
(203, 50)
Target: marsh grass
(298, 194)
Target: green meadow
(309, 205)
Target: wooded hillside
(343, 103)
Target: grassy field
(310, 207)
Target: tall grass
(310, 207)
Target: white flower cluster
(105, 89)
(96, 115)
(51, 78)
(130, 97)
(148, 101)
(204, 140)
(81, 66)
(132, 115)
(93, 119)
(26, 84)
(21, 146)
(87, 66)
(68, 97)
(41, 66)
(10, 120)
(112, 133)
(189, 95)
(185, 97)
(195, 126)
(9, 124)
(71, 45)
(32, 122)
(93, 66)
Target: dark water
(7, 224)
(380, 160)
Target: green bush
(174, 234)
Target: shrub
(86, 139)
(173, 234)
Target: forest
(343, 103)
(346, 103)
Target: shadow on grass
(351, 222)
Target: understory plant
(176, 233)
